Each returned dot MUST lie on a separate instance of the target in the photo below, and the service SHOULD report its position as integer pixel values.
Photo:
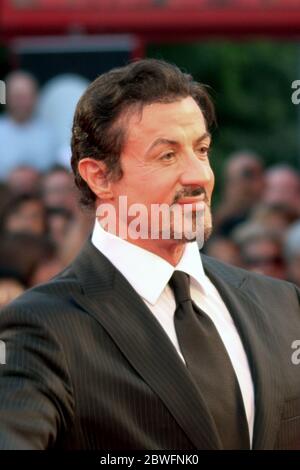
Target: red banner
(126, 5)
(151, 18)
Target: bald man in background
(25, 139)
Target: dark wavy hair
(99, 133)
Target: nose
(196, 172)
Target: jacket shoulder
(257, 285)
(239, 275)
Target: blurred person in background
(23, 180)
(283, 187)
(11, 285)
(5, 195)
(59, 220)
(33, 257)
(292, 253)
(58, 189)
(261, 249)
(46, 269)
(277, 217)
(25, 139)
(77, 233)
(24, 213)
(243, 185)
(224, 249)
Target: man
(243, 184)
(126, 348)
(261, 249)
(25, 139)
(58, 189)
(283, 187)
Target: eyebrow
(163, 141)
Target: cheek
(165, 187)
(157, 184)
(211, 182)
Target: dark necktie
(209, 365)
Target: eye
(203, 151)
(168, 156)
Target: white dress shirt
(149, 275)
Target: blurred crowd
(42, 228)
(257, 223)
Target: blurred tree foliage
(251, 87)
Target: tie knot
(180, 284)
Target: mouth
(192, 204)
(192, 200)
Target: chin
(207, 232)
(201, 237)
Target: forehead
(21, 84)
(180, 118)
(283, 177)
(244, 162)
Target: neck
(169, 250)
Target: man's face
(282, 187)
(265, 257)
(165, 159)
(29, 218)
(245, 181)
(58, 190)
(21, 98)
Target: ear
(94, 173)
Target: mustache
(189, 191)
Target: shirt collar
(146, 272)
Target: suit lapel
(109, 298)
(256, 333)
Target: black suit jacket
(89, 367)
